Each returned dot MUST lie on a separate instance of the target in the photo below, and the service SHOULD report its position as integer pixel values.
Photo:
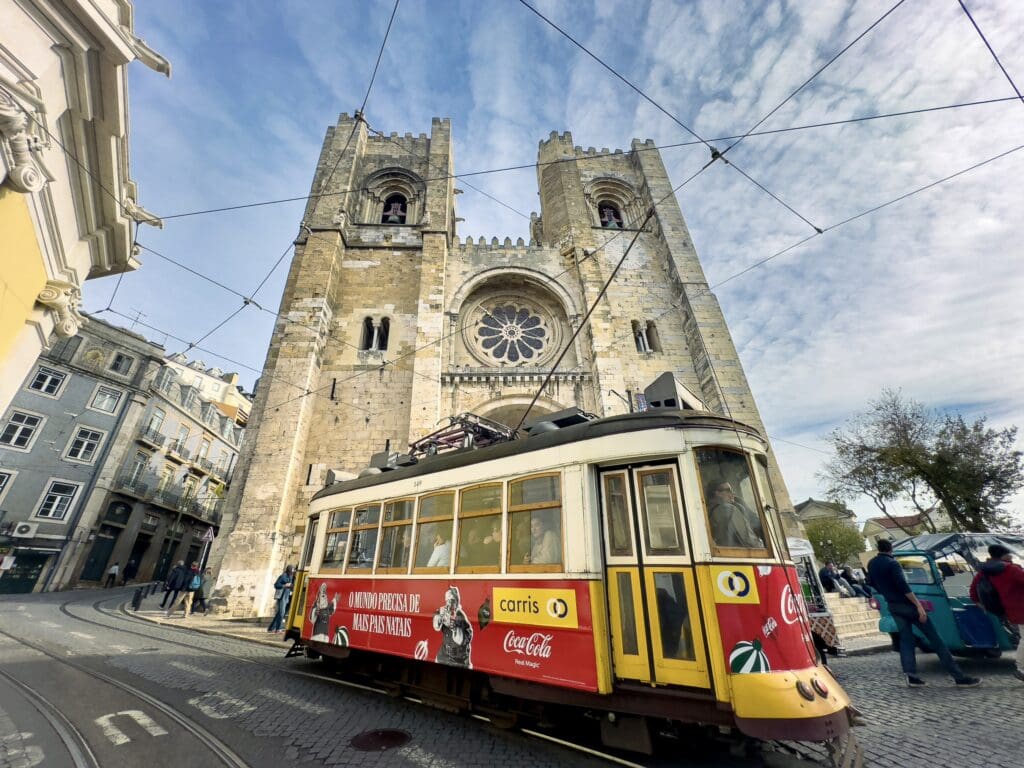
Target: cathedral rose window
(512, 334)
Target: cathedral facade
(389, 322)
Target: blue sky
(924, 295)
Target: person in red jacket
(1008, 579)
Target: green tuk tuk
(939, 567)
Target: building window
(20, 430)
(47, 381)
(84, 445)
(138, 467)
(182, 437)
(645, 336)
(58, 500)
(395, 208)
(204, 448)
(65, 349)
(512, 333)
(374, 336)
(6, 479)
(156, 419)
(105, 399)
(122, 364)
(611, 217)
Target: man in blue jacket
(887, 577)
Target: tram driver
(732, 523)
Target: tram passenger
(492, 543)
(545, 545)
(732, 524)
(442, 554)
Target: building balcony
(169, 497)
(176, 450)
(208, 511)
(152, 437)
(204, 465)
(134, 486)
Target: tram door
(654, 616)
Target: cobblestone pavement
(939, 725)
(271, 710)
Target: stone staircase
(856, 622)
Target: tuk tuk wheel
(992, 653)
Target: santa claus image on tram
(320, 614)
(456, 631)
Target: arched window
(611, 217)
(374, 337)
(395, 208)
(366, 340)
(645, 336)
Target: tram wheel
(311, 654)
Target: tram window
(307, 547)
(673, 617)
(617, 512)
(771, 506)
(337, 539)
(434, 533)
(660, 511)
(535, 524)
(396, 538)
(480, 529)
(734, 515)
(364, 538)
(627, 613)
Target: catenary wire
(715, 154)
(990, 50)
(808, 81)
(597, 156)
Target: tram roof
(612, 425)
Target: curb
(160, 621)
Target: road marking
(220, 706)
(121, 648)
(82, 634)
(291, 701)
(53, 624)
(117, 736)
(192, 668)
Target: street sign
(208, 536)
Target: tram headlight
(820, 687)
(804, 690)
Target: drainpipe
(55, 568)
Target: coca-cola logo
(537, 645)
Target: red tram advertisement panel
(764, 626)
(540, 631)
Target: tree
(833, 540)
(900, 453)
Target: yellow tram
(633, 566)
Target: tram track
(121, 616)
(74, 742)
(223, 753)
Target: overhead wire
(596, 156)
(247, 300)
(715, 154)
(992, 51)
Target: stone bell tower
(389, 322)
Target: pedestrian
(129, 572)
(282, 596)
(856, 586)
(193, 581)
(887, 577)
(830, 578)
(112, 572)
(1003, 577)
(175, 583)
(203, 592)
